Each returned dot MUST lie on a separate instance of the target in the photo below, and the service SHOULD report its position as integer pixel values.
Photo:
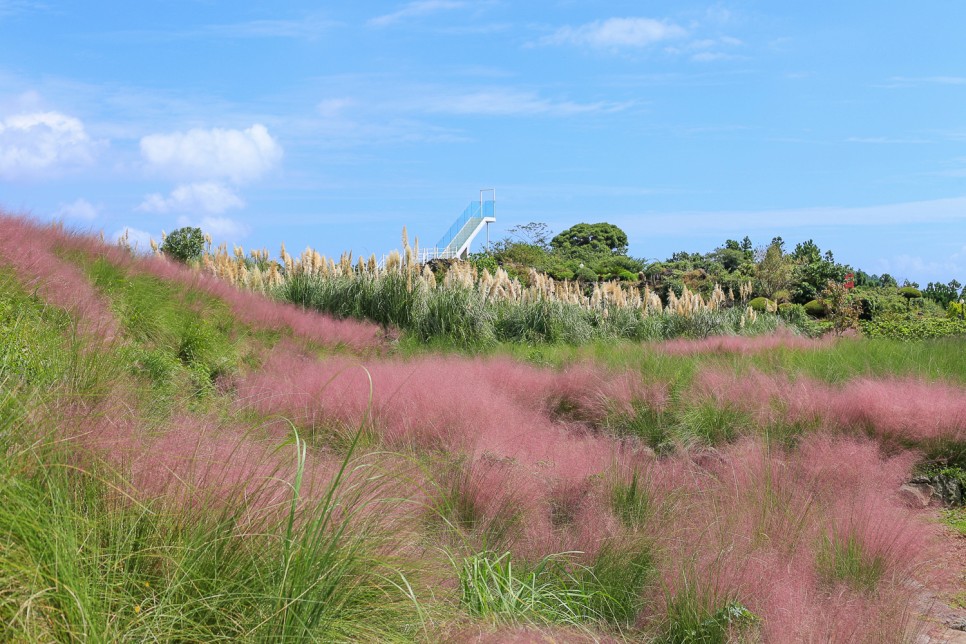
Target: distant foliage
(914, 328)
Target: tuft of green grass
(844, 559)
(493, 586)
(712, 423)
(631, 502)
(693, 618)
(619, 576)
(557, 590)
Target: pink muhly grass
(447, 403)
(262, 312)
(29, 250)
(741, 344)
(900, 409)
(752, 529)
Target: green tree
(774, 270)
(596, 238)
(184, 244)
(813, 271)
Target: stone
(949, 489)
(916, 495)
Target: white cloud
(79, 209)
(615, 33)
(880, 140)
(415, 9)
(332, 107)
(218, 227)
(39, 142)
(237, 155)
(502, 102)
(209, 196)
(941, 269)
(914, 81)
(137, 239)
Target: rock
(949, 489)
(959, 624)
(916, 495)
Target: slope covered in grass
(185, 461)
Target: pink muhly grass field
(751, 527)
(29, 250)
(903, 409)
(781, 339)
(262, 312)
(480, 407)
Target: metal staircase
(456, 243)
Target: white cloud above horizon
(501, 101)
(209, 197)
(954, 265)
(617, 33)
(414, 10)
(239, 156)
(220, 228)
(80, 208)
(40, 142)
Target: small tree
(184, 244)
(597, 238)
(773, 272)
(841, 307)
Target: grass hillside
(186, 460)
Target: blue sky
(683, 123)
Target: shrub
(793, 313)
(585, 274)
(910, 292)
(184, 244)
(762, 305)
(914, 328)
(815, 309)
(955, 310)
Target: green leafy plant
(184, 244)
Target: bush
(584, 274)
(184, 244)
(913, 328)
(762, 305)
(955, 310)
(815, 309)
(910, 292)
